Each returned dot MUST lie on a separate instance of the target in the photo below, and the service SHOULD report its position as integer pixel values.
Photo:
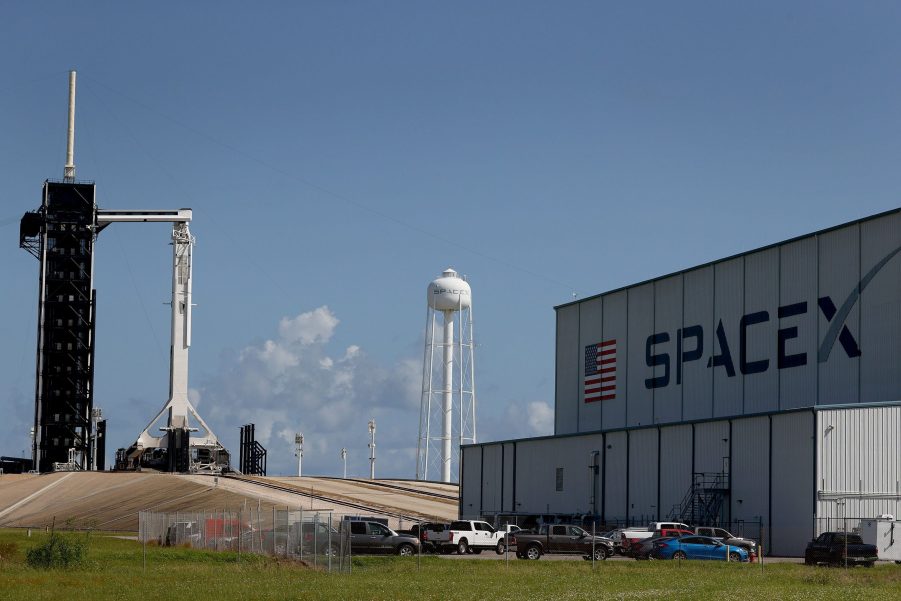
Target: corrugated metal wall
(471, 481)
(780, 328)
(615, 328)
(792, 482)
(643, 474)
(675, 466)
(509, 457)
(750, 471)
(859, 467)
(591, 325)
(667, 318)
(616, 469)
(492, 482)
(568, 391)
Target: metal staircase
(703, 503)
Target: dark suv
(372, 537)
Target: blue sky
(340, 155)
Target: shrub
(59, 551)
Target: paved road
(491, 555)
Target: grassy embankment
(114, 571)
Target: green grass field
(114, 571)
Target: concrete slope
(111, 501)
(425, 504)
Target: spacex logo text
(690, 345)
(692, 338)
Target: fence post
(315, 537)
(301, 533)
(329, 543)
(592, 544)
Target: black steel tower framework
(60, 234)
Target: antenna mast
(69, 169)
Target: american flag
(600, 371)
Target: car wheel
(679, 555)
(533, 552)
(808, 561)
(462, 547)
(600, 554)
(406, 550)
(501, 548)
(734, 556)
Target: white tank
(449, 292)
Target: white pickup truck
(468, 536)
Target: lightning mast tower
(448, 379)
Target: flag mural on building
(600, 371)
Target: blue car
(697, 547)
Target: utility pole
(344, 458)
(298, 452)
(372, 449)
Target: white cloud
(294, 383)
(314, 326)
(541, 418)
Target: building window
(559, 479)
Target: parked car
(425, 532)
(839, 548)
(698, 547)
(302, 538)
(617, 537)
(376, 538)
(561, 539)
(638, 545)
(643, 549)
(728, 538)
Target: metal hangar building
(763, 388)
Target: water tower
(447, 415)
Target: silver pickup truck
(372, 538)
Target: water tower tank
(449, 292)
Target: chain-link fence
(323, 539)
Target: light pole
(298, 452)
(344, 459)
(372, 449)
(96, 414)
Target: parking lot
(491, 556)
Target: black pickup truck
(831, 547)
(561, 538)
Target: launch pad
(61, 235)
